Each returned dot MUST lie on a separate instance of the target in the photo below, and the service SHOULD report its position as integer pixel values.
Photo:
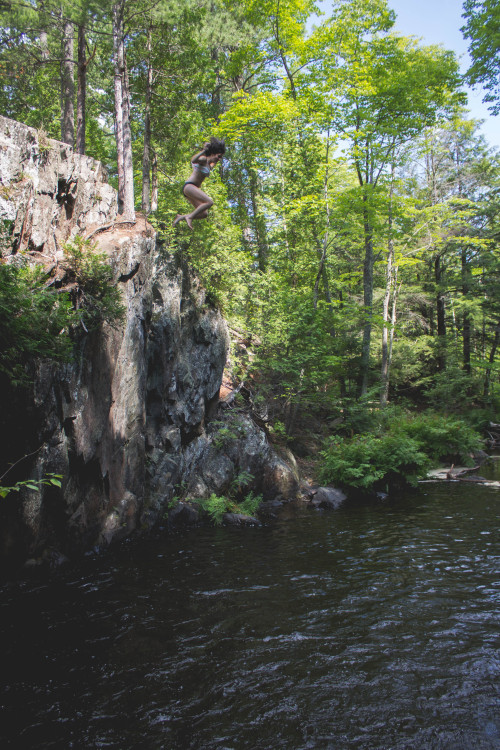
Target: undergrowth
(401, 452)
(96, 296)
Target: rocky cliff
(133, 424)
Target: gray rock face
(47, 192)
(132, 423)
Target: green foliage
(401, 454)
(97, 297)
(440, 436)
(250, 504)
(34, 322)
(320, 211)
(241, 481)
(370, 462)
(51, 480)
(224, 435)
(216, 506)
(483, 29)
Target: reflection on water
(367, 628)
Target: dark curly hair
(215, 146)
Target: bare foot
(188, 222)
(177, 219)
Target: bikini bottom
(188, 183)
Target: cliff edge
(133, 422)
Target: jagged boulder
(327, 498)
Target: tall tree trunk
(322, 253)
(81, 91)
(67, 86)
(154, 181)
(384, 373)
(122, 117)
(395, 295)
(44, 45)
(146, 154)
(118, 86)
(367, 297)
(491, 359)
(128, 161)
(259, 224)
(440, 313)
(467, 323)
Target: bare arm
(200, 157)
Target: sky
(439, 22)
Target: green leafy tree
(381, 90)
(483, 31)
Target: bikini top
(201, 168)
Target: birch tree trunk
(67, 86)
(367, 298)
(44, 45)
(440, 313)
(154, 181)
(384, 372)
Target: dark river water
(375, 626)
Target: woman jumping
(203, 163)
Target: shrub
(403, 452)
(34, 322)
(441, 437)
(250, 504)
(216, 506)
(368, 462)
(97, 298)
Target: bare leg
(183, 217)
(201, 211)
(201, 203)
